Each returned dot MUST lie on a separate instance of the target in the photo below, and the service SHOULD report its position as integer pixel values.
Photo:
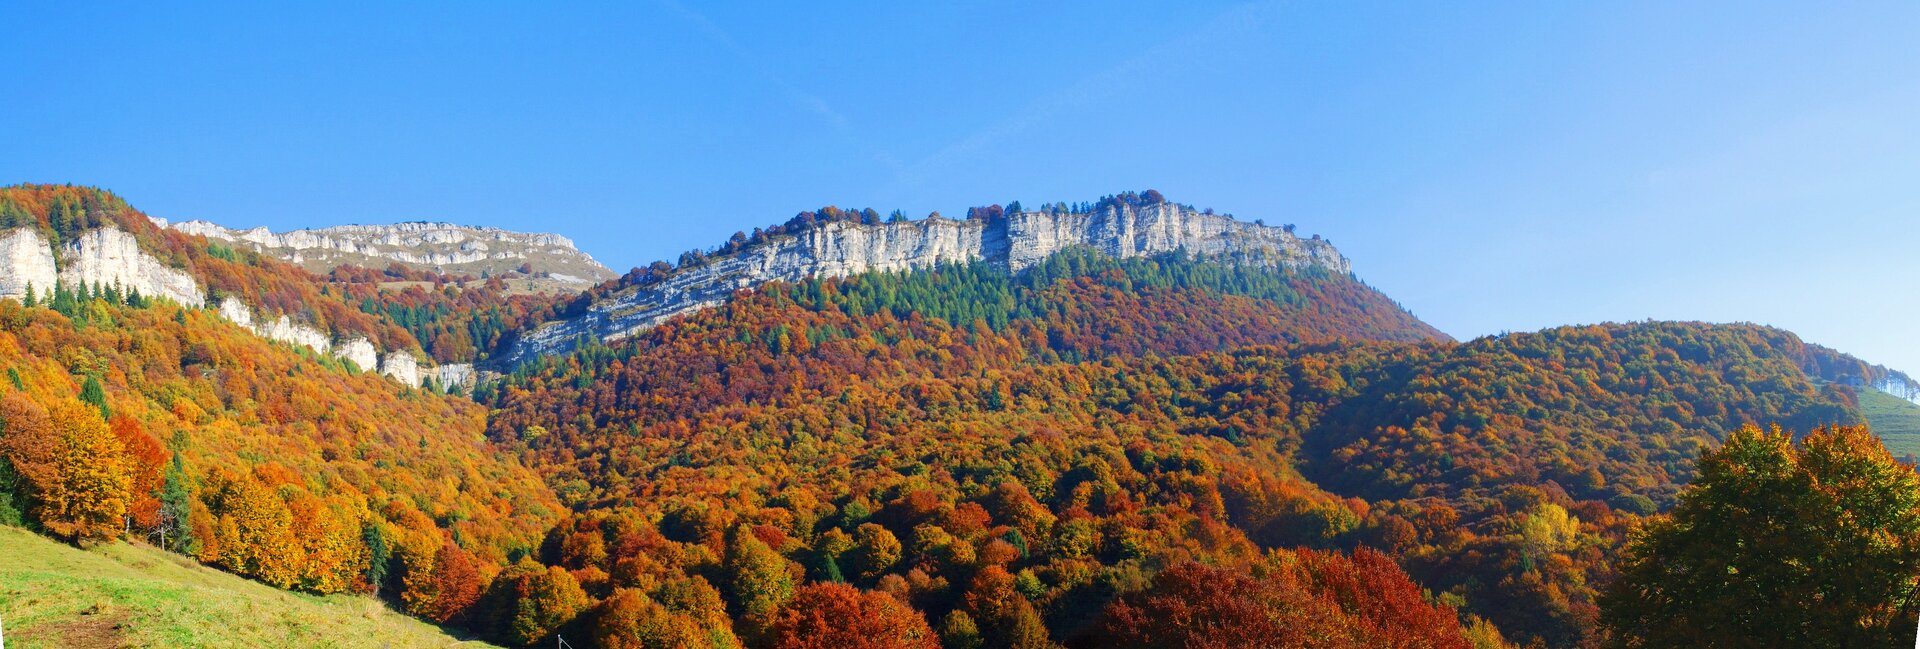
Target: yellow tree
(87, 500)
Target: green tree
(176, 505)
(10, 501)
(1778, 546)
(96, 396)
(379, 554)
(758, 577)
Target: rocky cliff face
(112, 257)
(100, 257)
(439, 247)
(398, 365)
(26, 262)
(838, 249)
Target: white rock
(26, 260)
(451, 374)
(111, 257)
(359, 350)
(400, 366)
(839, 249)
(430, 245)
(237, 312)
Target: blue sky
(1495, 167)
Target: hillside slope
(54, 596)
(282, 464)
(1123, 416)
(1895, 420)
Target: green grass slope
(122, 595)
(1895, 420)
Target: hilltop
(832, 242)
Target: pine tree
(176, 505)
(379, 554)
(96, 396)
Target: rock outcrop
(99, 257)
(26, 261)
(1017, 241)
(439, 247)
(399, 365)
(454, 374)
(112, 257)
(360, 351)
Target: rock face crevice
(441, 247)
(838, 249)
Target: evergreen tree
(63, 301)
(176, 505)
(379, 554)
(96, 396)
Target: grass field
(1895, 420)
(122, 595)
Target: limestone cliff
(109, 256)
(99, 257)
(840, 248)
(399, 365)
(439, 247)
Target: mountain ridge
(833, 243)
(437, 246)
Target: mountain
(1111, 415)
(547, 261)
(1025, 428)
(838, 243)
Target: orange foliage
(837, 616)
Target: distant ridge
(439, 247)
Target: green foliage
(379, 554)
(982, 291)
(11, 502)
(758, 578)
(1779, 545)
(92, 394)
(1895, 420)
(176, 509)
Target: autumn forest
(1165, 450)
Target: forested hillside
(60, 212)
(1070, 453)
(1079, 430)
(175, 426)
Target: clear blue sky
(1495, 167)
